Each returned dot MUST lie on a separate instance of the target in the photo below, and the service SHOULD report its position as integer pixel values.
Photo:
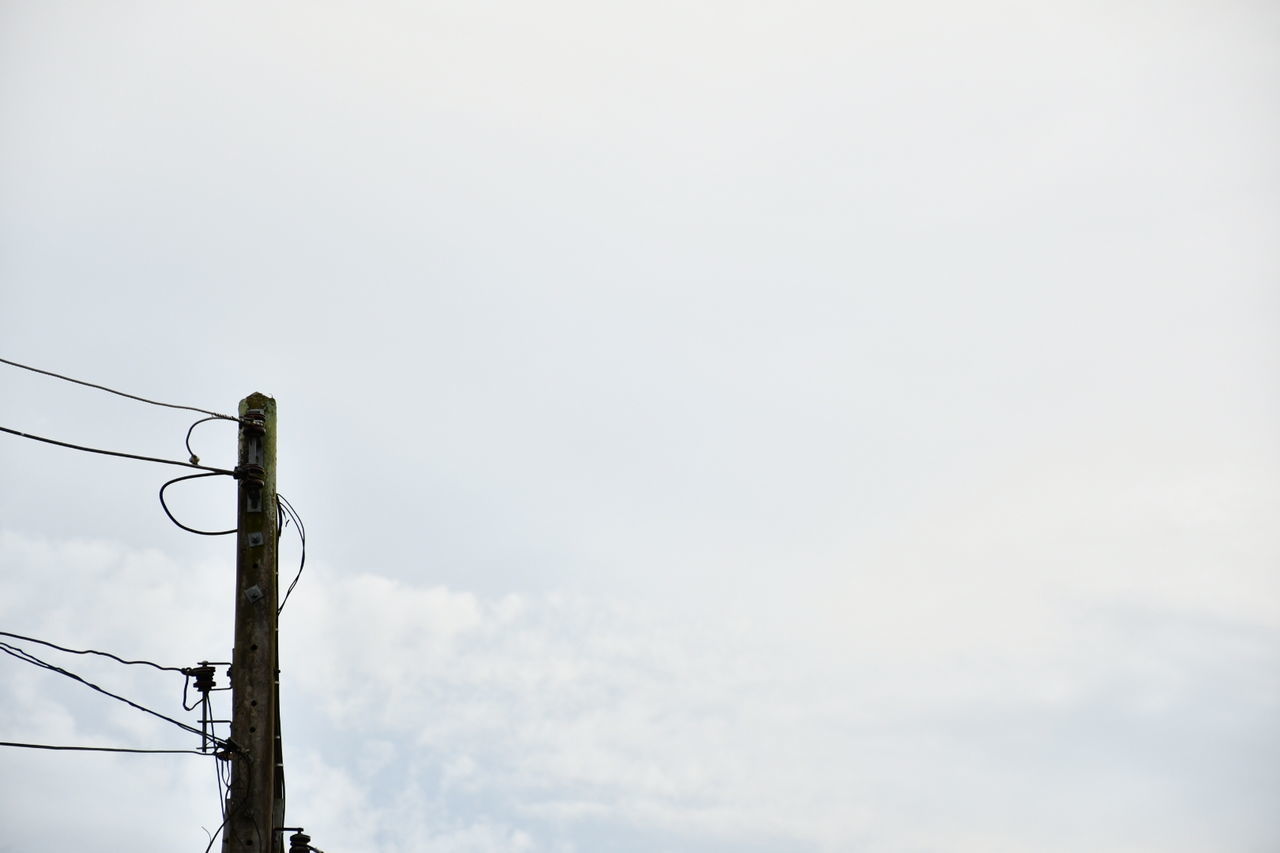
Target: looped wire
(165, 506)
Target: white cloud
(579, 711)
(1031, 641)
(886, 384)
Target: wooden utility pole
(254, 806)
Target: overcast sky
(720, 426)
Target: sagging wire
(116, 453)
(195, 460)
(203, 674)
(210, 471)
(27, 657)
(284, 513)
(165, 506)
(203, 678)
(116, 658)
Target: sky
(719, 426)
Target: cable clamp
(254, 422)
(229, 748)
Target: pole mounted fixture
(299, 842)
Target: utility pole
(255, 803)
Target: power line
(195, 460)
(27, 657)
(64, 748)
(114, 391)
(116, 658)
(253, 802)
(114, 452)
(165, 506)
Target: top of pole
(256, 400)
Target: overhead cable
(283, 506)
(195, 460)
(116, 658)
(165, 506)
(115, 452)
(62, 748)
(119, 393)
(224, 792)
(27, 657)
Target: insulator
(203, 676)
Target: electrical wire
(244, 779)
(114, 452)
(210, 471)
(226, 815)
(224, 786)
(214, 837)
(119, 393)
(64, 748)
(224, 791)
(165, 506)
(194, 463)
(27, 657)
(116, 658)
(282, 507)
(186, 672)
(195, 460)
